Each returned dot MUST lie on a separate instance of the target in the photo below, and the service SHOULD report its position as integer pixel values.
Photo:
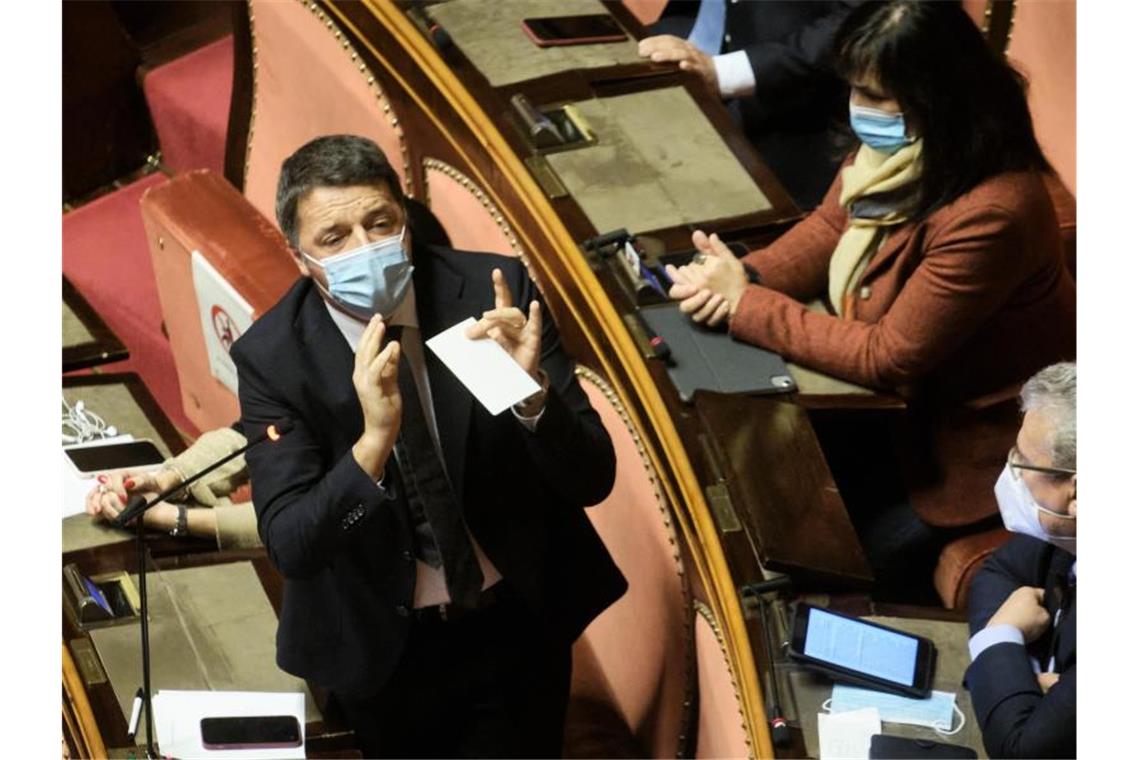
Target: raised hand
(376, 380)
(520, 335)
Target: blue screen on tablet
(860, 647)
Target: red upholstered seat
(201, 211)
(632, 683)
(720, 720)
(959, 563)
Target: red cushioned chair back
(720, 721)
(637, 655)
(200, 211)
(308, 82)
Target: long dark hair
(966, 102)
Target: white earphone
(81, 425)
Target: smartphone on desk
(572, 30)
(866, 654)
(251, 732)
(88, 460)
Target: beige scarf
(872, 173)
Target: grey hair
(1053, 390)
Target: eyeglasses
(1017, 465)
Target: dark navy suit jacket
(345, 546)
(1017, 720)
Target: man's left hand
(710, 287)
(666, 47)
(519, 335)
(1025, 610)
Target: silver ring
(699, 258)
(102, 489)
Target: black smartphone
(572, 30)
(114, 456)
(251, 732)
(866, 654)
(884, 747)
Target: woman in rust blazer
(935, 258)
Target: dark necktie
(441, 534)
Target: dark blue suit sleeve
(306, 508)
(782, 66)
(1016, 718)
(1013, 565)
(570, 446)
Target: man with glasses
(1023, 602)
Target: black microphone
(138, 504)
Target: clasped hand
(110, 497)
(710, 287)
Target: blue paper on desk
(704, 359)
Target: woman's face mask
(881, 130)
(370, 279)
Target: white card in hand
(483, 367)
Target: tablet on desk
(711, 360)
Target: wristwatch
(181, 525)
(538, 396)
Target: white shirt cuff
(734, 75)
(993, 635)
(530, 423)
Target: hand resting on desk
(110, 496)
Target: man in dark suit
(438, 563)
(772, 62)
(1023, 602)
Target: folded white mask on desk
(936, 711)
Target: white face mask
(1019, 511)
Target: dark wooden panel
(781, 486)
(107, 131)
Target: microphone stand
(135, 509)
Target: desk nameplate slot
(721, 505)
(87, 661)
(546, 177)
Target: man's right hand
(666, 47)
(1025, 610)
(375, 378)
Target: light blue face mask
(882, 131)
(936, 711)
(371, 279)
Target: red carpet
(105, 255)
(189, 101)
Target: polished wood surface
(104, 346)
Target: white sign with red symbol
(225, 316)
